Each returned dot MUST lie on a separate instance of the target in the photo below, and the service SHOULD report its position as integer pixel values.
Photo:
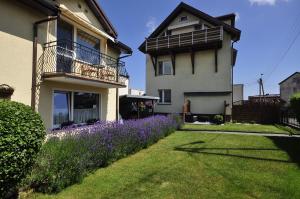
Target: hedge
(71, 154)
(295, 105)
(21, 136)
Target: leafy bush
(70, 154)
(218, 119)
(295, 105)
(21, 136)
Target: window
(79, 107)
(86, 107)
(61, 107)
(183, 18)
(84, 54)
(164, 68)
(164, 96)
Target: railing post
(205, 35)
(192, 37)
(117, 77)
(168, 42)
(179, 40)
(156, 43)
(221, 33)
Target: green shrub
(21, 136)
(66, 160)
(295, 105)
(218, 119)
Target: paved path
(245, 133)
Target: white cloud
(151, 24)
(265, 2)
(237, 16)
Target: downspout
(117, 89)
(232, 76)
(34, 56)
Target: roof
(43, 6)
(230, 17)
(235, 33)
(142, 97)
(101, 16)
(289, 77)
(120, 45)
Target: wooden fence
(262, 113)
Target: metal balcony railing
(197, 37)
(75, 59)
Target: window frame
(163, 67)
(72, 91)
(185, 18)
(161, 100)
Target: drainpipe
(232, 76)
(117, 89)
(34, 57)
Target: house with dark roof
(189, 59)
(289, 86)
(63, 58)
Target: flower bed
(69, 154)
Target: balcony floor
(80, 80)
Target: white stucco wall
(238, 92)
(205, 79)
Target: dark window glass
(61, 109)
(160, 92)
(85, 54)
(183, 18)
(86, 107)
(167, 96)
(160, 68)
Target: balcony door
(65, 52)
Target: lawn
(254, 128)
(199, 165)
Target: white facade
(209, 89)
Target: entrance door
(65, 52)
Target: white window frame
(163, 96)
(163, 67)
(72, 102)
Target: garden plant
(21, 136)
(70, 154)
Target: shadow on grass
(291, 145)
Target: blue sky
(268, 27)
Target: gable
(81, 9)
(182, 7)
(179, 26)
(89, 11)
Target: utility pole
(261, 87)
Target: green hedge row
(21, 135)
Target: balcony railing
(198, 37)
(66, 57)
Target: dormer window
(183, 18)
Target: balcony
(70, 62)
(210, 38)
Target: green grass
(255, 128)
(199, 165)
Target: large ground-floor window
(79, 107)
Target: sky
(269, 44)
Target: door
(65, 51)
